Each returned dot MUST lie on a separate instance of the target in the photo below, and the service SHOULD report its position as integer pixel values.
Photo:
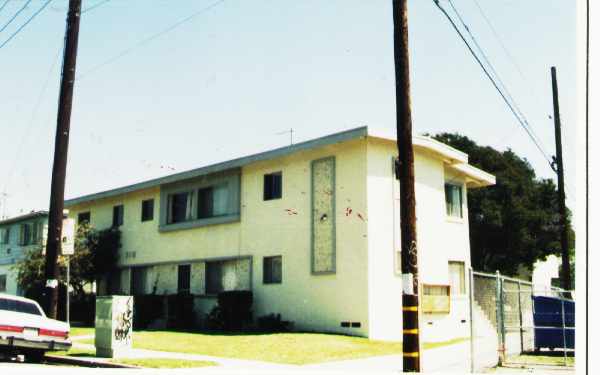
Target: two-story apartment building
(17, 236)
(312, 229)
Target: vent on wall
(350, 324)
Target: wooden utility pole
(406, 174)
(558, 162)
(59, 168)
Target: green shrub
(273, 323)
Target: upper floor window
(272, 186)
(272, 270)
(25, 234)
(83, 217)
(453, 200)
(456, 271)
(148, 210)
(5, 235)
(180, 207)
(118, 215)
(213, 201)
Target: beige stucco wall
(276, 227)
(440, 239)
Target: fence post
(520, 316)
(562, 303)
(471, 300)
(499, 318)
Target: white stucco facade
(358, 291)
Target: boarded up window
(224, 275)
(323, 216)
(436, 298)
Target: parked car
(25, 329)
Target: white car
(25, 329)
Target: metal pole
(562, 303)
(59, 167)
(68, 286)
(499, 318)
(471, 299)
(406, 175)
(520, 316)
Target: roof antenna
(291, 131)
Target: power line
(3, 5)
(92, 7)
(15, 16)
(523, 125)
(147, 40)
(31, 120)
(25, 24)
(503, 86)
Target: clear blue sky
(224, 84)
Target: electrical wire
(92, 7)
(3, 5)
(25, 24)
(499, 79)
(15, 16)
(148, 39)
(512, 109)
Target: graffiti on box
(124, 320)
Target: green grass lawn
(81, 331)
(288, 348)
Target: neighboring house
(312, 229)
(17, 236)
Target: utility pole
(406, 174)
(59, 168)
(558, 162)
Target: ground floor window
(138, 279)
(272, 270)
(224, 275)
(183, 278)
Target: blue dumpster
(548, 321)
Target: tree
(514, 222)
(95, 255)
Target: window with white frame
(456, 273)
(454, 199)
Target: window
(183, 278)
(2, 283)
(272, 270)
(213, 201)
(139, 277)
(25, 235)
(5, 235)
(117, 216)
(453, 200)
(272, 186)
(180, 207)
(148, 210)
(8, 304)
(83, 217)
(231, 274)
(214, 284)
(456, 271)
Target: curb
(86, 362)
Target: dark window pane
(179, 205)
(272, 186)
(148, 210)
(214, 282)
(205, 203)
(272, 273)
(138, 281)
(453, 200)
(183, 278)
(83, 217)
(117, 215)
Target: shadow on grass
(550, 353)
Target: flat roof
(442, 150)
(24, 217)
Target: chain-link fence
(513, 321)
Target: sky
(234, 78)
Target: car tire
(35, 356)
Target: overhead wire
(15, 16)
(3, 5)
(147, 40)
(25, 24)
(92, 7)
(495, 84)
